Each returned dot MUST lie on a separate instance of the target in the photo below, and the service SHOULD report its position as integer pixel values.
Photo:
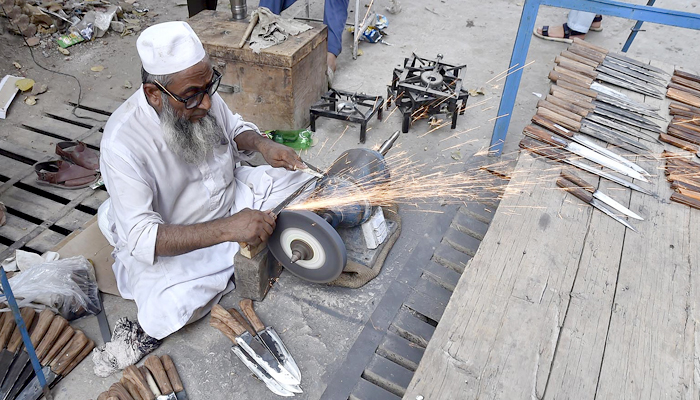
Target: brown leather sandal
(63, 174)
(78, 153)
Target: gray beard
(189, 140)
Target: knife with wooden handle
(173, 377)
(14, 344)
(119, 391)
(155, 366)
(133, 374)
(131, 388)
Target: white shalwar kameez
(150, 185)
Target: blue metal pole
(510, 89)
(7, 290)
(635, 29)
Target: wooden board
(562, 301)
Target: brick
(410, 327)
(366, 390)
(462, 241)
(387, 374)
(401, 351)
(470, 225)
(479, 211)
(446, 255)
(442, 275)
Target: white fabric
(150, 185)
(169, 47)
(580, 21)
(23, 260)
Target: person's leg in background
(194, 7)
(577, 25)
(335, 15)
(276, 6)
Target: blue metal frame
(7, 291)
(524, 35)
(637, 28)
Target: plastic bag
(66, 286)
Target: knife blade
(555, 154)
(610, 54)
(11, 352)
(263, 356)
(621, 128)
(588, 198)
(22, 361)
(543, 135)
(635, 72)
(270, 339)
(600, 195)
(59, 365)
(155, 366)
(562, 131)
(609, 77)
(174, 377)
(626, 113)
(230, 330)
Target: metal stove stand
(424, 88)
(353, 107)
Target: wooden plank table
(561, 301)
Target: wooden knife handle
(575, 190)
(684, 84)
(71, 351)
(248, 310)
(559, 110)
(573, 76)
(591, 46)
(62, 341)
(687, 200)
(542, 135)
(674, 106)
(542, 149)
(79, 358)
(221, 326)
(8, 325)
(581, 59)
(104, 396)
(683, 97)
(556, 128)
(133, 374)
(242, 321)
(150, 381)
(221, 314)
(567, 105)
(58, 323)
(109, 397)
(558, 119)
(587, 52)
(578, 181)
(28, 315)
(678, 143)
(576, 66)
(569, 95)
(119, 391)
(687, 75)
(154, 365)
(576, 88)
(42, 325)
(131, 388)
(173, 376)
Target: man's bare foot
(330, 58)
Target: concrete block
(255, 276)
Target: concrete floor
(319, 324)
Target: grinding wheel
(324, 254)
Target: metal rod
(633, 34)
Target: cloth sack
(273, 29)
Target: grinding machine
(306, 243)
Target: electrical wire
(80, 88)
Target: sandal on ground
(78, 153)
(598, 18)
(568, 33)
(63, 174)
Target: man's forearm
(249, 140)
(173, 240)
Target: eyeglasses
(196, 99)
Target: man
(335, 14)
(178, 204)
(577, 25)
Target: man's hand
(279, 155)
(251, 226)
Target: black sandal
(598, 18)
(568, 32)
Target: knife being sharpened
(269, 337)
(223, 321)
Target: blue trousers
(335, 14)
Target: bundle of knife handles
(157, 379)
(684, 176)
(58, 346)
(684, 129)
(259, 347)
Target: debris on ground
(8, 91)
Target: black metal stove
(424, 88)
(346, 106)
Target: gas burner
(346, 106)
(424, 88)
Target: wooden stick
(687, 200)
(683, 97)
(249, 30)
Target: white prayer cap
(169, 47)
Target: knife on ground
(133, 374)
(231, 329)
(154, 365)
(269, 337)
(174, 377)
(131, 388)
(10, 353)
(22, 361)
(119, 391)
(600, 195)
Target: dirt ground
(319, 324)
